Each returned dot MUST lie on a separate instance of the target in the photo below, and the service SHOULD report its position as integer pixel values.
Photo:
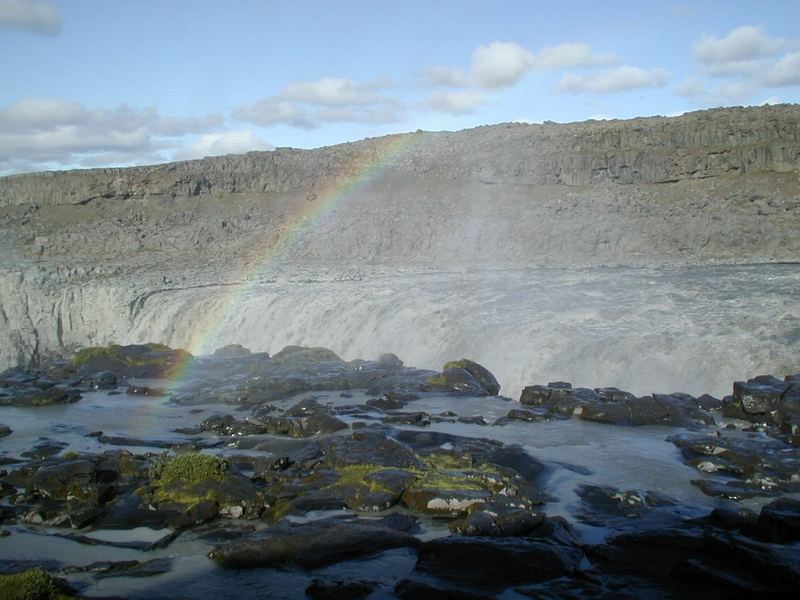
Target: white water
(688, 329)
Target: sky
(93, 83)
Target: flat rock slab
(310, 544)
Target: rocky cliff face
(80, 247)
(638, 151)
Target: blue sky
(109, 82)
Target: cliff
(81, 249)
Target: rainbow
(364, 168)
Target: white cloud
(785, 72)
(500, 64)
(226, 142)
(445, 77)
(568, 56)
(309, 104)
(329, 91)
(34, 16)
(45, 132)
(274, 111)
(618, 79)
(742, 51)
(742, 44)
(459, 102)
(771, 100)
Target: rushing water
(687, 329)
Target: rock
(45, 449)
(124, 568)
(102, 380)
(779, 521)
(4, 430)
(339, 590)
(135, 360)
(34, 396)
(457, 381)
(758, 398)
(299, 356)
(310, 544)
(411, 589)
(231, 351)
(495, 563)
(481, 374)
(500, 517)
(606, 506)
(143, 390)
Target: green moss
(356, 476)
(34, 584)
(116, 352)
(192, 468)
(437, 380)
(463, 363)
(70, 455)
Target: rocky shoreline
(304, 463)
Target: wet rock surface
(272, 472)
(613, 406)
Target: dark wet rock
(708, 402)
(456, 381)
(495, 563)
(231, 351)
(136, 360)
(45, 449)
(143, 390)
(4, 430)
(387, 402)
(690, 560)
(390, 361)
(339, 590)
(759, 465)
(420, 419)
(74, 479)
(35, 396)
(524, 414)
(658, 409)
(730, 519)
(118, 440)
(124, 568)
(310, 544)
(779, 521)
(604, 506)
(612, 394)
(481, 374)
(102, 380)
(159, 544)
(299, 356)
(500, 517)
(766, 400)
(412, 589)
(476, 420)
(612, 406)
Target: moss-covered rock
(300, 355)
(135, 360)
(191, 480)
(34, 584)
(482, 375)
